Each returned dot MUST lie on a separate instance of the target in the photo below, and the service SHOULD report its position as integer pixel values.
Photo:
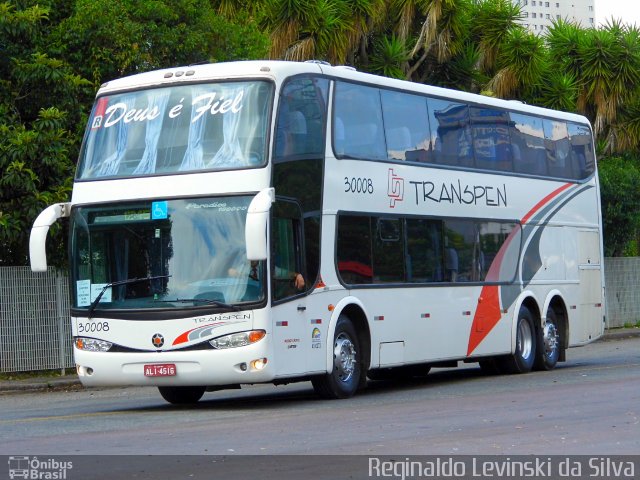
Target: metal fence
(622, 278)
(35, 328)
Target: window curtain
(112, 164)
(157, 102)
(193, 155)
(230, 152)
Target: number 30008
(92, 327)
(358, 185)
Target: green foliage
(106, 40)
(388, 57)
(620, 195)
(39, 117)
(559, 91)
(54, 54)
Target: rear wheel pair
(540, 350)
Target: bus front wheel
(181, 395)
(344, 378)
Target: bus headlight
(92, 344)
(240, 339)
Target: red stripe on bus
(545, 200)
(487, 316)
(489, 311)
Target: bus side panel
(590, 298)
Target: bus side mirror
(38, 237)
(255, 231)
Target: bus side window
(353, 250)
(406, 126)
(388, 251)
(491, 142)
(451, 140)
(558, 147)
(301, 115)
(527, 134)
(424, 250)
(357, 122)
(459, 243)
(581, 150)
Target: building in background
(538, 15)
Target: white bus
(250, 222)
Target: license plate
(160, 370)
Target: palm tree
(606, 65)
(389, 56)
(520, 63)
(558, 90)
(333, 30)
(492, 22)
(442, 33)
(285, 19)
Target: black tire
(181, 395)
(524, 356)
(344, 379)
(549, 343)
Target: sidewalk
(71, 382)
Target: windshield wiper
(207, 301)
(95, 302)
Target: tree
(605, 65)
(39, 118)
(323, 30)
(49, 50)
(620, 195)
(106, 40)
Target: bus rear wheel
(181, 395)
(344, 378)
(548, 343)
(524, 356)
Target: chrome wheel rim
(525, 339)
(550, 340)
(344, 357)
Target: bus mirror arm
(38, 237)
(256, 227)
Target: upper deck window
(214, 126)
(375, 123)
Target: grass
(631, 325)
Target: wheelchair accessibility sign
(159, 210)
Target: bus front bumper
(248, 364)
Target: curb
(620, 333)
(40, 385)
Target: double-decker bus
(251, 222)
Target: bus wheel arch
(348, 325)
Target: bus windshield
(195, 127)
(163, 254)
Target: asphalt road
(589, 405)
